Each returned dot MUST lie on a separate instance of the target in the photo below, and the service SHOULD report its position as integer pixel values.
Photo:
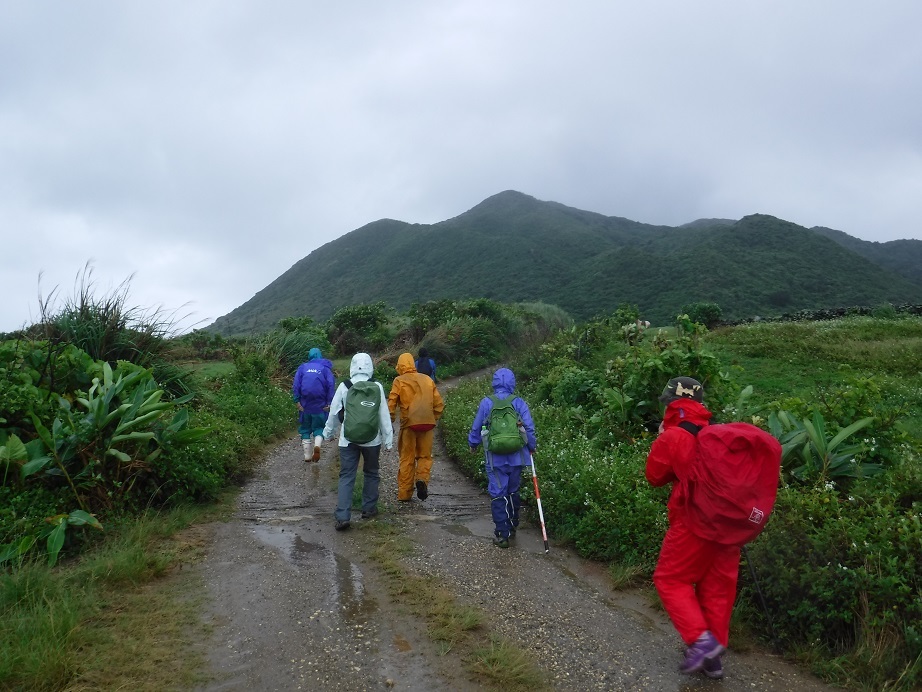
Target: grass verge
(119, 617)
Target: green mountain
(903, 257)
(514, 248)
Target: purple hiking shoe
(705, 648)
(713, 668)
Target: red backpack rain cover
(732, 483)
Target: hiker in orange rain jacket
(421, 407)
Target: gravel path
(294, 604)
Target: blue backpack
(312, 382)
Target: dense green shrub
(708, 314)
(199, 345)
(843, 572)
(608, 389)
(355, 328)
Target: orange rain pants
(415, 448)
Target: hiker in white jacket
(360, 370)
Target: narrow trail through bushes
(293, 604)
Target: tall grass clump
(105, 325)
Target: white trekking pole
(534, 478)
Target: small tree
(708, 314)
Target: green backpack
(360, 411)
(504, 435)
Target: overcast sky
(205, 147)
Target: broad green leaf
(42, 431)
(33, 466)
(152, 400)
(13, 450)
(190, 435)
(121, 456)
(116, 413)
(79, 517)
(56, 542)
(146, 418)
(819, 443)
(133, 436)
(845, 432)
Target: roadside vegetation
(839, 563)
(115, 436)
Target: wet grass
(123, 616)
(507, 667)
(456, 628)
(626, 576)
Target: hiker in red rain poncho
(695, 578)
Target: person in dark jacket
(312, 389)
(425, 365)
(504, 471)
(695, 578)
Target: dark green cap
(682, 388)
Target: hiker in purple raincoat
(504, 471)
(313, 389)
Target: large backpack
(732, 483)
(360, 411)
(313, 383)
(504, 435)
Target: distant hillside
(903, 257)
(512, 247)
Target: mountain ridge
(515, 248)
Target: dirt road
(296, 605)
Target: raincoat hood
(313, 354)
(406, 364)
(361, 367)
(504, 381)
(685, 409)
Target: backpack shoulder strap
(348, 384)
(690, 427)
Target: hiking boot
(512, 532)
(705, 648)
(422, 490)
(342, 525)
(713, 668)
(370, 515)
(316, 456)
(500, 542)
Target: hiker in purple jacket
(504, 471)
(313, 389)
